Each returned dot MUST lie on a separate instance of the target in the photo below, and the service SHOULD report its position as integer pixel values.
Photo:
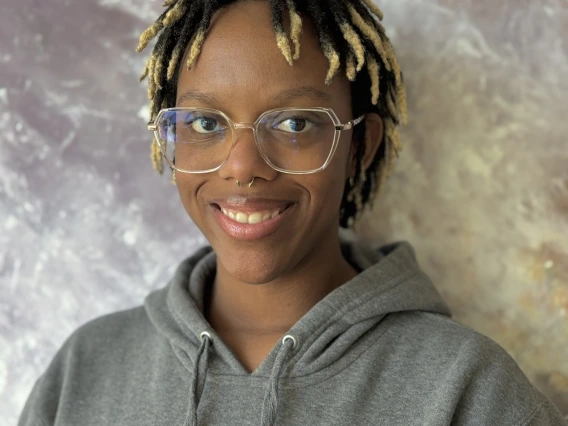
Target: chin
(251, 266)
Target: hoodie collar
(391, 281)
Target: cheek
(326, 189)
(187, 186)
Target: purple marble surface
(481, 189)
(86, 226)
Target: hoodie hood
(390, 280)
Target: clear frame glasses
(290, 140)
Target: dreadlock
(351, 37)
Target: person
(278, 120)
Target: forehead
(241, 65)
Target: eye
(204, 124)
(295, 124)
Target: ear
(374, 130)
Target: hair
(352, 39)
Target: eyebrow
(302, 92)
(195, 95)
(283, 96)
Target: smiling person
(278, 121)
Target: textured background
(480, 190)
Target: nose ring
(248, 184)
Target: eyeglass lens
(294, 140)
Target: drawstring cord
(270, 404)
(198, 376)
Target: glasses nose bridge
(237, 126)
(244, 126)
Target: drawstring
(270, 404)
(197, 379)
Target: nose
(245, 161)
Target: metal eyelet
(289, 337)
(204, 333)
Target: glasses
(290, 140)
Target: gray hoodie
(381, 349)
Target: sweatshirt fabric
(381, 349)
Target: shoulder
(443, 333)
(106, 340)
(454, 345)
(486, 383)
(115, 325)
(99, 349)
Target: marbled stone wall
(481, 188)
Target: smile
(253, 217)
(252, 224)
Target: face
(243, 71)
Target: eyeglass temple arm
(350, 124)
(151, 126)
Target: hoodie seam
(532, 415)
(340, 313)
(41, 419)
(393, 283)
(441, 317)
(347, 364)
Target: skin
(263, 287)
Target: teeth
(255, 218)
(252, 218)
(241, 217)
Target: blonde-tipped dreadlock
(371, 34)
(350, 69)
(175, 13)
(282, 42)
(148, 35)
(295, 28)
(355, 43)
(351, 37)
(374, 9)
(373, 69)
(195, 48)
(150, 74)
(334, 63)
(284, 45)
(156, 156)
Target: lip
(248, 232)
(250, 204)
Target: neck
(271, 309)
